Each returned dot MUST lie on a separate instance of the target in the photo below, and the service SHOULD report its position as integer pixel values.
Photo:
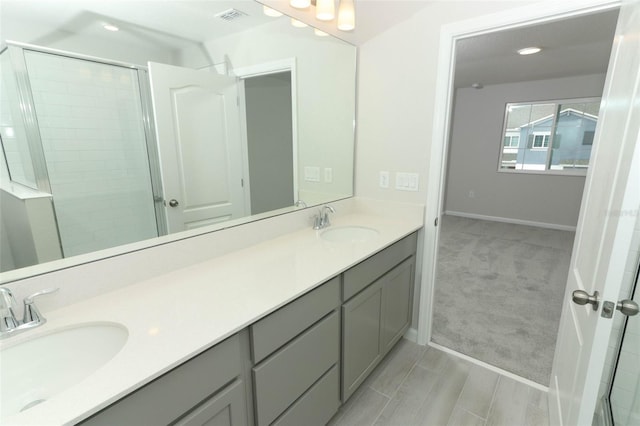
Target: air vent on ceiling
(230, 14)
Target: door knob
(627, 307)
(173, 202)
(581, 297)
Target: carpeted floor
(499, 291)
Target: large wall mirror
(129, 123)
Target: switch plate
(407, 181)
(328, 175)
(312, 174)
(384, 179)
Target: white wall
(325, 93)
(475, 146)
(397, 75)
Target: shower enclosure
(77, 134)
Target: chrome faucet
(31, 318)
(321, 221)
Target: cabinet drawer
(273, 331)
(317, 405)
(287, 374)
(173, 394)
(367, 271)
(227, 408)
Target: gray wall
(475, 144)
(268, 102)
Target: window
(541, 140)
(511, 141)
(557, 136)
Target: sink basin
(349, 234)
(37, 369)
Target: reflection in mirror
(200, 115)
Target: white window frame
(547, 171)
(546, 136)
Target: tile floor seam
(493, 398)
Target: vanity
(281, 332)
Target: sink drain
(32, 404)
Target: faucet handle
(31, 312)
(7, 310)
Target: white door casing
(623, 174)
(198, 131)
(603, 238)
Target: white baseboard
(490, 367)
(411, 335)
(510, 220)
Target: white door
(603, 238)
(198, 132)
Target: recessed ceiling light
(477, 85)
(529, 50)
(110, 27)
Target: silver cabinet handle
(581, 297)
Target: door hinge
(242, 183)
(435, 222)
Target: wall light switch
(312, 174)
(328, 175)
(407, 181)
(384, 179)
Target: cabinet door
(397, 289)
(226, 408)
(360, 337)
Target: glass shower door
(624, 394)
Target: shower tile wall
(90, 120)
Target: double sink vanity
(280, 332)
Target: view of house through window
(551, 136)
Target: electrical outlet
(384, 179)
(328, 175)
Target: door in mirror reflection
(198, 131)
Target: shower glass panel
(12, 130)
(91, 125)
(625, 390)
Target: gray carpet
(499, 291)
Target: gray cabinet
(378, 311)
(297, 350)
(216, 377)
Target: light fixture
(325, 10)
(300, 4)
(110, 27)
(529, 50)
(346, 15)
(319, 33)
(298, 24)
(477, 85)
(271, 12)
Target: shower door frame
(34, 138)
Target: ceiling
(571, 47)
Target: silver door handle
(173, 202)
(581, 297)
(627, 307)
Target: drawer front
(273, 331)
(226, 408)
(173, 394)
(369, 270)
(287, 374)
(317, 405)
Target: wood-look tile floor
(423, 386)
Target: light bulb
(300, 4)
(319, 33)
(529, 50)
(325, 10)
(346, 15)
(271, 12)
(298, 24)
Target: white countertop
(173, 317)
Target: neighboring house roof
(566, 111)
